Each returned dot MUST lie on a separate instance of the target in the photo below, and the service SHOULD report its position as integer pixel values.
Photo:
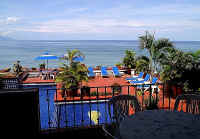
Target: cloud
(8, 20)
(12, 19)
(119, 19)
(83, 26)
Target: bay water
(97, 52)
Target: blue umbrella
(46, 56)
(78, 59)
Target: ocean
(97, 52)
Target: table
(160, 124)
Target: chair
(147, 77)
(91, 72)
(119, 108)
(111, 131)
(52, 76)
(136, 77)
(121, 105)
(116, 71)
(189, 103)
(104, 72)
(147, 85)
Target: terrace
(82, 112)
(64, 115)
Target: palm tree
(142, 63)
(70, 55)
(154, 48)
(73, 72)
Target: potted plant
(129, 60)
(34, 68)
(42, 66)
(73, 74)
(179, 72)
(85, 91)
(17, 68)
(116, 88)
(172, 70)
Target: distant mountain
(4, 38)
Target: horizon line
(91, 40)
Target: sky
(99, 19)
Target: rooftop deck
(105, 82)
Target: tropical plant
(73, 73)
(173, 64)
(191, 71)
(180, 68)
(17, 68)
(42, 66)
(154, 48)
(142, 64)
(70, 55)
(129, 59)
(116, 88)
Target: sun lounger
(104, 72)
(147, 77)
(91, 72)
(116, 71)
(136, 77)
(147, 85)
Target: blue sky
(99, 19)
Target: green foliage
(17, 68)
(176, 67)
(73, 73)
(139, 92)
(42, 66)
(142, 64)
(116, 88)
(129, 59)
(71, 54)
(154, 47)
(119, 64)
(180, 68)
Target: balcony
(56, 112)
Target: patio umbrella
(78, 59)
(46, 56)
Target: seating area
(116, 72)
(135, 77)
(91, 72)
(188, 103)
(140, 81)
(124, 122)
(119, 108)
(147, 85)
(104, 72)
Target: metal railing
(9, 83)
(66, 109)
